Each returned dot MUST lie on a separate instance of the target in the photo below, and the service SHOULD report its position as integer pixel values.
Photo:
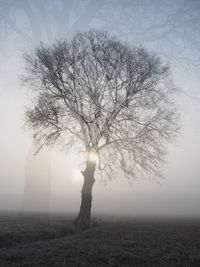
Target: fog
(48, 181)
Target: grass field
(41, 240)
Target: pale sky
(171, 29)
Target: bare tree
(115, 100)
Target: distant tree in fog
(113, 99)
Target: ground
(40, 240)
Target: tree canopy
(113, 98)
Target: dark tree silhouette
(112, 98)
(171, 28)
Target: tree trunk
(83, 219)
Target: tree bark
(83, 219)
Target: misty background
(47, 182)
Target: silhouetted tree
(112, 98)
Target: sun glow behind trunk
(93, 157)
(77, 176)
